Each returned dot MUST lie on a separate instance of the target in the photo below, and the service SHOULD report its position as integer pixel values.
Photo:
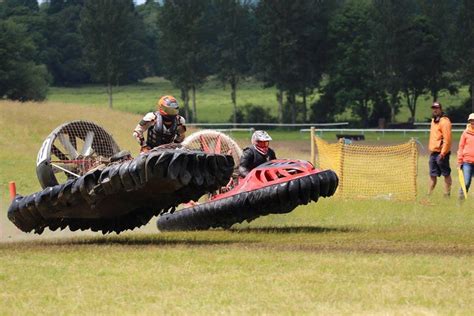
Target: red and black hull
(270, 189)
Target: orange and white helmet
(168, 106)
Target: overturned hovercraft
(89, 184)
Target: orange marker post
(12, 187)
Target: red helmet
(168, 106)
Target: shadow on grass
(128, 240)
(216, 237)
(295, 230)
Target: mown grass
(331, 257)
(213, 99)
(344, 257)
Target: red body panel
(270, 173)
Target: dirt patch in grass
(125, 241)
(377, 248)
(295, 230)
(287, 239)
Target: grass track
(333, 256)
(193, 278)
(355, 257)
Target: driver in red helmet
(258, 153)
(163, 126)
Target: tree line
(370, 56)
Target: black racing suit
(252, 158)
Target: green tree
(291, 47)
(234, 44)
(186, 46)
(26, 13)
(389, 17)
(149, 13)
(109, 28)
(20, 77)
(136, 50)
(351, 72)
(20, 7)
(465, 46)
(65, 60)
(420, 57)
(312, 55)
(442, 15)
(54, 6)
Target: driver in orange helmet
(163, 126)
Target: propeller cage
(73, 149)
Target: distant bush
(297, 111)
(30, 82)
(460, 113)
(325, 109)
(250, 113)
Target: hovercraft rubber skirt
(123, 195)
(274, 199)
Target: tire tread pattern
(247, 206)
(124, 195)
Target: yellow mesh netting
(387, 172)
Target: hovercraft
(88, 183)
(275, 187)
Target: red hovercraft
(275, 187)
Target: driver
(258, 153)
(164, 126)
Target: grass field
(330, 257)
(213, 101)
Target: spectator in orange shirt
(466, 153)
(440, 149)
